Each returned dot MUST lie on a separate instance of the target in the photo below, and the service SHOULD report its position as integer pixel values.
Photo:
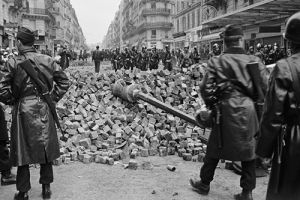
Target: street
(93, 181)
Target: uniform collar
(235, 50)
(26, 49)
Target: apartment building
(54, 21)
(144, 23)
(10, 17)
(199, 23)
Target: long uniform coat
(228, 82)
(281, 108)
(33, 134)
(65, 59)
(3, 126)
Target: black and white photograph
(150, 99)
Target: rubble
(98, 126)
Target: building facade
(54, 21)
(143, 23)
(199, 23)
(10, 18)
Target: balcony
(164, 1)
(155, 25)
(146, 26)
(38, 13)
(179, 34)
(156, 11)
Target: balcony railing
(152, 25)
(179, 34)
(146, 26)
(37, 11)
(156, 11)
(164, 1)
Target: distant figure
(216, 51)
(97, 58)
(167, 60)
(65, 58)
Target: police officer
(280, 134)
(195, 56)
(127, 59)
(186, 58)
(228, 92)
(97, 57)
(216, 51)
(167, 59)
(33, 133)
(134, 57)
(154, 59)
(251, 51)
(143, 59)
(259, 52)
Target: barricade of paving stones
(103, 129)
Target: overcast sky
(94, 17)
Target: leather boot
(8, 178)
(21, 196)
(46, 192)
(200, 187)
(244, 195)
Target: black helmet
(292, 30)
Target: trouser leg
(46, 173)
(208, 170)
(5, 164)
(97, 67)
(23, 178)
(248, 178)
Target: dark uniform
(227, 89)
(195, 56)
(280, 130)
(97, 57)
(167, 60)
(116, 59)
(33, 132)
(143, 60)
(65, 58)
(134, 58)
(127, 59)
(186, 59)
(154, 59)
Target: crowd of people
(253, 114)
(149, 59)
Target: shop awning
(257, 13)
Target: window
(183, 22)
(235, 4)
(199, 17)
(188, 22)
(153, 5)
(153, 33)
(193, 19)
(166, 35)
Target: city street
(134, 99)
(93, 181)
